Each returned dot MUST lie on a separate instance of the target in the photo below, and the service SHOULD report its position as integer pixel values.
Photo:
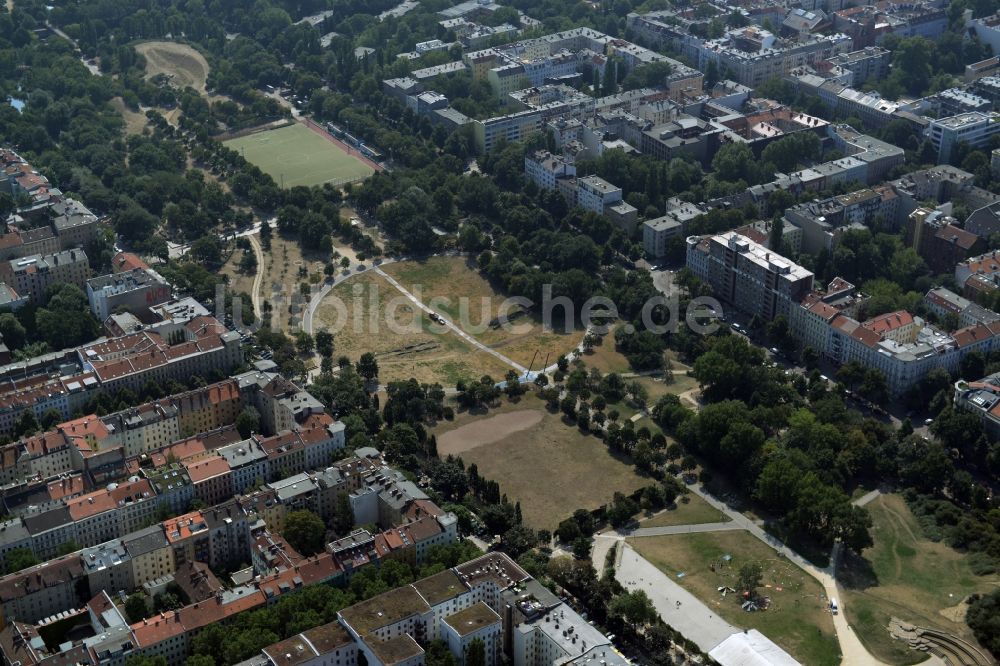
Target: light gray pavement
(683, 529)
(868, 497)
(852, 651)
(259, 277)
(678, 607)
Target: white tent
(750, 648)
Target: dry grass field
(689, 510)
(455, 288)
(135, 121)
(908, 576)
(183, 64)
(413, 349)
(547, 465)
(797, 619)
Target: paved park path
(635, 572)
(521, 370)
(258, 279)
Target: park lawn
(908, 576)
(551, 468)
(296, 155)
(798, 619)
(135, 121)
(689, 510)
(606, 358)
(658, 387)
(412, 350)
(453, 286)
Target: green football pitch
(296, 155)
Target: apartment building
(747, 275)
(822, 222)
(753, 55)
(42, 590)
(545, 169)
(108, 639)
(31, 275)
(658, 232)
(981, 398)
(136, 291)
(973, 129)
(939, 240)
(115, 364)
(871, 62)
(902, 347)
(978, 276)
(51, 222)
(944, 302)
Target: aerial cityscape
(557, 333)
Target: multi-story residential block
(955, 101)
(973, 129)
(211, 479)
(902, 347)
(981, 398)
(201, 346)
(939, 240)
(987, 30)
(823, 222)
(107, 567)
(747, 275)
(658, 232)
(944, 302)
(136, 291)
(248, 463)
(107, 640)
(544, 169)
(326, 645)
(30, 276)
(150, 555)
(596, 194)
(42, 590)
(978, 276)
(753, 55)
(871, 62)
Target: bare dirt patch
(487, 431)
(184, 65)
(550, 467)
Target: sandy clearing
(184, 64)
(487, 431)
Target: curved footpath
(695, 619)
(309, 312)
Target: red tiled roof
(866, 336)
(179, 528)
(90, 504)
(131, 491)
(126, 261)
(971, 334)
(65, 487)
(889, 322)
(824, 310)
(207, 468)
